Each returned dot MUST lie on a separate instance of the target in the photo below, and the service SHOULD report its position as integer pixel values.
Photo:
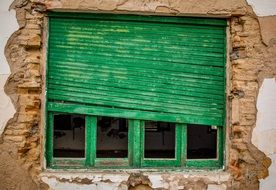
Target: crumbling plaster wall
(263, 8)
(251, 60)
(7, 19)
(12, 175)
(147, 180)
(264, 133)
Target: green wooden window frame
(136, 121)
(135, 148)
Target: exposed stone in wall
(24, 88)
(139, 181)
(250, 62)
(250, 66)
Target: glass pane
(69, 136)
(201, 142)
(159, 140)
(112, 137)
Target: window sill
(159, 178)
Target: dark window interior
(69, 136)
(201, 142)
(159, 140)
(112, 137)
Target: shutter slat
(167, 73)
(136, 45)
(139, 32)
(115, 77)
(132, 25)
(139, 39)
(217, 72)
(174, 40)
(108, 56)
(142, 74)
(133, 44)
(162, 97)
(189, 100)
(100, 99)
(128, 113)
(144, 86)
(148, 51)
(199, 22)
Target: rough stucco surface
(264, 7)
(266, 10)
(264, 133)
(123, 180)
(191, 7)
(6, 107)
(12, 173)
(7, 19)
(268, 29)
(250, 63)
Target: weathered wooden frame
(135, 149)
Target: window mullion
(135, 151)
(183, 144)
(90, 141)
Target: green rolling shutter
(147, 67)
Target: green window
(135, 91)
